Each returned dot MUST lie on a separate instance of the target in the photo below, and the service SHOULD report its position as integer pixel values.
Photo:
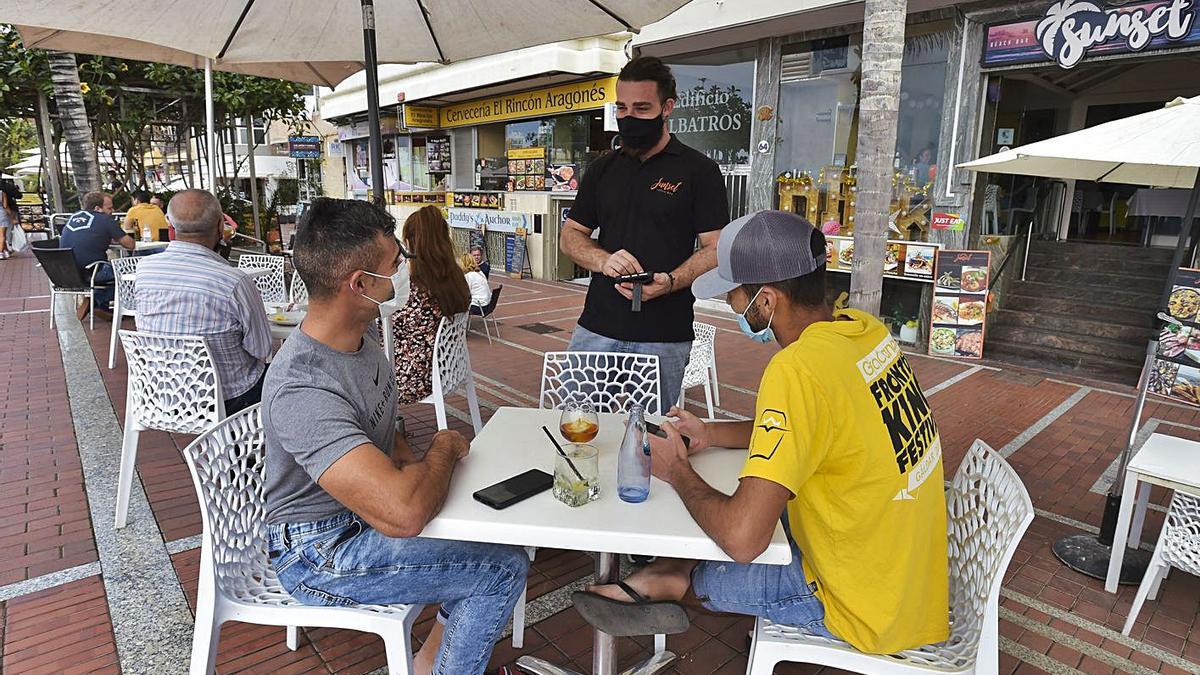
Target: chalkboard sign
(515, 262)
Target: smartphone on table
(512, 490)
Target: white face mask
(401, 287)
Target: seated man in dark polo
(88, 233)
(347, 498)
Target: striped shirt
(190, 290)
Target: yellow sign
(567, 98)
(527, 153)
(420, 117)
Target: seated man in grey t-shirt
(346, 498)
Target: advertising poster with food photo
(959, 304)
(1176, 371)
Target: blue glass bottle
(633, 464)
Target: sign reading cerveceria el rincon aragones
(566, 98)
(1071, 30)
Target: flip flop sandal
(627, 619)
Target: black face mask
(639, 133)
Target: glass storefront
(818, 103)
(576, 139)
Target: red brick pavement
(1046, 608)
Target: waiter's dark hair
(650, 69)
(806, 291)
(335, 238)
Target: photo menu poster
(1176, 371)
(906, 259)
(959, 312)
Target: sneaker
(5, 255)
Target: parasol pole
(210, 126)
(375, 137)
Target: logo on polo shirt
(666, 187)
(773, 424)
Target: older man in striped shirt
(190, 290)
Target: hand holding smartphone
(658, 431)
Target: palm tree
(72, 114)
(879, 104)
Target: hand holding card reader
(637, 280)
(515, 489)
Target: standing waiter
(651, 200)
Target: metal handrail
(1028, 237)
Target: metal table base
(604, 646)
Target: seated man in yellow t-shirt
(145, 217)
(842, 447)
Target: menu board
(514, 254)
(905, 259)
(959, 311)
(526, 169)
(479, 200)
(437, 154)
(1176, 371)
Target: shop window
(715, 99)
(818, 104)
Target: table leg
(1121, 536)
(1139, 516)
(604, 646)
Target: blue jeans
(103, 297)
(776, 592)
(672, 358)
(342, 561)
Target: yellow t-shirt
(142, 216)
(841, 422)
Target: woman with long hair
(439, 289)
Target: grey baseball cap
(761, 248)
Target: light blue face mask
(762, 336)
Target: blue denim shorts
(780, 593)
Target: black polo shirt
(653, 209)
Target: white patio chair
(1178, 546)
(298, 293)
(988, 509)
(237, 582)
(702, 365)
(173, 387)
(270, 286)
(451, 364)
(125, 301)
(611, 381)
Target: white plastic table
(279, 331)
(139, 245)
(512, 442)
(1169, 461)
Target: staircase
(1087, 309)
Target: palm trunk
(72, 114)
(879, 103)
(50, 155)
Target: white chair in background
(271, 286)
(237, 582)
(125, 301)
(173, 387)
(702, 365)
(611, 381)
(298, 293)
(991, 209)
(988, 510)
(1178, 546)
(451, 364)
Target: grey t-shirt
(317, 405)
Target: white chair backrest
(173, 382)
(298, 293)
(450, 358)
(126, 290)
(611, 381)
(987, 509)
(703, 346)
(1181, 538)
(227, 463)
(270, 286)
(991, 197)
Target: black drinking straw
(561, 451)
